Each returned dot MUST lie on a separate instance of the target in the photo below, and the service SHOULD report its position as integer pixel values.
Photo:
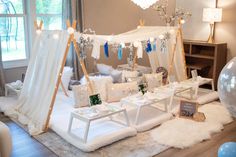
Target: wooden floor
(25, 146)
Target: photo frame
(188, 109)
(95, 99)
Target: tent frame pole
(71, 39)
(178, 35)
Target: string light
(70, 30)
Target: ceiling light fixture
(144, 4)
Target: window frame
(20, 62)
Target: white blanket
(182, 133)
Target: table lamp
(212, 15)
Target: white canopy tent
(157, 58)
(48, 58)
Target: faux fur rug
(141, 145)
(182, 133)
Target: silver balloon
(227, 86)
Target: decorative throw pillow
(81, 96)
(117, 91)
(117, 76)
(139, 79)
(99, 84)
(104, 69)
(128, 74)
(153, 80)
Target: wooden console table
(207, 58)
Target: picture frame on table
(187, 109)
(95, 99)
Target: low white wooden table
(199, 82)
(140, 101)
(95, 114)
(9, 88)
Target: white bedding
(101, 133)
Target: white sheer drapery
(41, 76)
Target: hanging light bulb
(70, 30)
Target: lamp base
(210, 38)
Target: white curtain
(40, 81)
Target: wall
(225, 31)
(117, 16)
(14, 74)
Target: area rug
(141, 145)
(182, 133)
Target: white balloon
(227, 86)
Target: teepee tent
(48, 58)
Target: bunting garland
(120, 52)
(106, 51)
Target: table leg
(170, 103)
(6, 91)
(126, 118)
(137, 116)
(70, 123)
(212, 85)
(86, 131)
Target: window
(50, 12)
(12, 30)
(16, 26)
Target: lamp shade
(212, 15)
(144, 4)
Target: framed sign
(187, 109)
(95, 99)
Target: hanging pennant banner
(149, 47)
(106, 51)
(154, 46)
(120, 52)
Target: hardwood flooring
(25, 146)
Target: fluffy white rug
(182, 133)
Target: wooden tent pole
(59, 79)
(173, 55)
(134, 60)
(182, 47)
(82, 65)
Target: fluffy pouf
(5, 141)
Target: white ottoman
(5, 141)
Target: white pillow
(153, 80)
(117, 91)
(99, 84)
(128, 74)
(66, 76)
(104, 69)
(81, 96)
(117, 76)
